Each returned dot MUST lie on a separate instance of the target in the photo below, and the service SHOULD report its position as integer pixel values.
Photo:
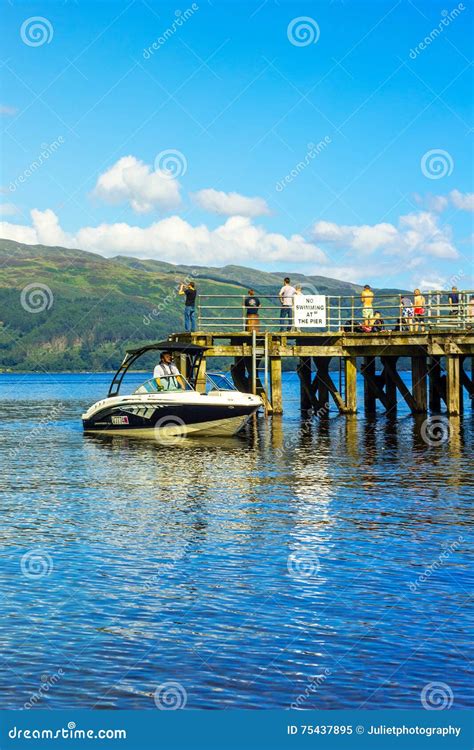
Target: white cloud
(438, 203)
(130, 180)
(7, 110)
(230, 204)
(172, 239)
(463, 201)
(9, 209)
(363, 239)
(433, 283)
(417, 232)
(48, 230)
(421, 234)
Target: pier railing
(389, 312)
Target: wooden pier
(442, 367)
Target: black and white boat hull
(173, 414)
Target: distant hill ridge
(68, 309)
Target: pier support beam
(201, 376)
(419, 390)
(390, 385)
(453, 384)
(239, 375)
(321, 381)
(350, 378)
(304, 374)
(400, 385)
(275, 385)
(434, 383)
(368, 371)
(182, 364)
(467, 382)
(326, 386)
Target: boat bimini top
(193, 353)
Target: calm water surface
(275, 568)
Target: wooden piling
(350, 379)
(321, 381)
(466, 381)
(326, 387)
(419, 390)
(368, 371)
(275, 385)
(453, 385)
(238, 372)
(389, 383)
(201, 376)
(304, 374)
(182, 365)
(434, 383)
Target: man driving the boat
(167, 375)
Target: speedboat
(172, 406)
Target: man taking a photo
(189, 291)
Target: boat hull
(171, 417)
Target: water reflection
(240, 567)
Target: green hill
(64, 309)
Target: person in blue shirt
(252, 303)
(453, 299)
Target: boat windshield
(165, 383)
(217, 381)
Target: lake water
(277, 568)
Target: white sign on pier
(309, 310)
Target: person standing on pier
(367, 298)
(189, 291)
(286, 294)
(407, 312)
(252, 303)
(453, 299)
(419, 310)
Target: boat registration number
(120, 420)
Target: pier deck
(441, 362)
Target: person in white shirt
(167, 375)
(286, 294)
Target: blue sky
(238, 92)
